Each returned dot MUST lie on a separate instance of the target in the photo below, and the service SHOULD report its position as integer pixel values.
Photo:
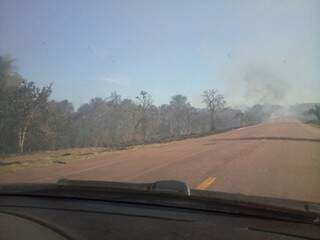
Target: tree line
(31, 121)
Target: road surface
(279, 159)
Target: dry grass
(45, 156)
(13, 162)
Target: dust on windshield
(221, 95)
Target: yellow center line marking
(206, 183)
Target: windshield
(222, 95)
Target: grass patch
(49, 157)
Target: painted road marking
(206, 183)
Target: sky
(251, 51)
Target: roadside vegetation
(31, 121)
(315, 112)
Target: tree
(214, 102)
(179, 100)
(144, 104)
(315, 111)
(9, 82)
(128, 109)
(30, 101)
(29, 121)
(91, 123)
(242, 118)
(114, 99)
(8, 77)
(180, 115)
(21, 103)
(60, 119)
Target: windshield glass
(223, 95)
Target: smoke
(274, 77)
(264, 87)
(276, 56)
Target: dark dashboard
(64, 216)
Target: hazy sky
(252, 51)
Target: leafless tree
(144, 104)
(214, 102)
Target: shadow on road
(265, 138)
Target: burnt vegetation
(31, 121)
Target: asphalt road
(279, 159)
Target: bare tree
(214, 102)
(144, 104)
(114, 99)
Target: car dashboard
(34, 217)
